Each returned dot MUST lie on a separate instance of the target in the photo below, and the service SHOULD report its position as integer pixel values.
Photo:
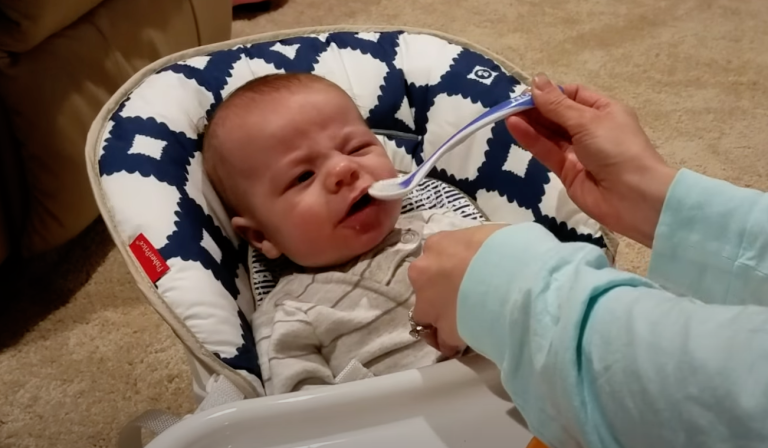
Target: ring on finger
(417, 330)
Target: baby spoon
(397, 188)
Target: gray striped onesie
(331, 327)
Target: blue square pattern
(397, 92)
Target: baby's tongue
(361, 204)
(362, 216)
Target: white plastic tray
(449, 405)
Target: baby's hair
(257, 87)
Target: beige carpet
(94, 355)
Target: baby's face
(302, 167)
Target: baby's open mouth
(360, 205)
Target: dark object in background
(251, 10)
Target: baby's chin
(352, 248)
(331, 259)
(350, 243)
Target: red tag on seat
(149, 258)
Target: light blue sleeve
(712, 242)
(595, 357)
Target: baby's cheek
(383, 167)
(299, 236)
(311, 240)
(311, 216)
(393, 212)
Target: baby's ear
(255, 237)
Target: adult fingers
(449, 349)
(539, 145)
(558, 107)
(430, 338)
(585, 96)
(544, 126)
(434, 243)
(420, 276)
(419, 271)
(446, 348)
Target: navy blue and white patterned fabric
(414, 89)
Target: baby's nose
(344, 174)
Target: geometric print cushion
(414, 88)
(430, 194)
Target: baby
(292, 159)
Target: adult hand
(436, 277)
(598, 149)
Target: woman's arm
(712, 242)
(596, 357)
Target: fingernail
(542, 82)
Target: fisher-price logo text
(149, 258)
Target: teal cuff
(488, 289)
(702, 231)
